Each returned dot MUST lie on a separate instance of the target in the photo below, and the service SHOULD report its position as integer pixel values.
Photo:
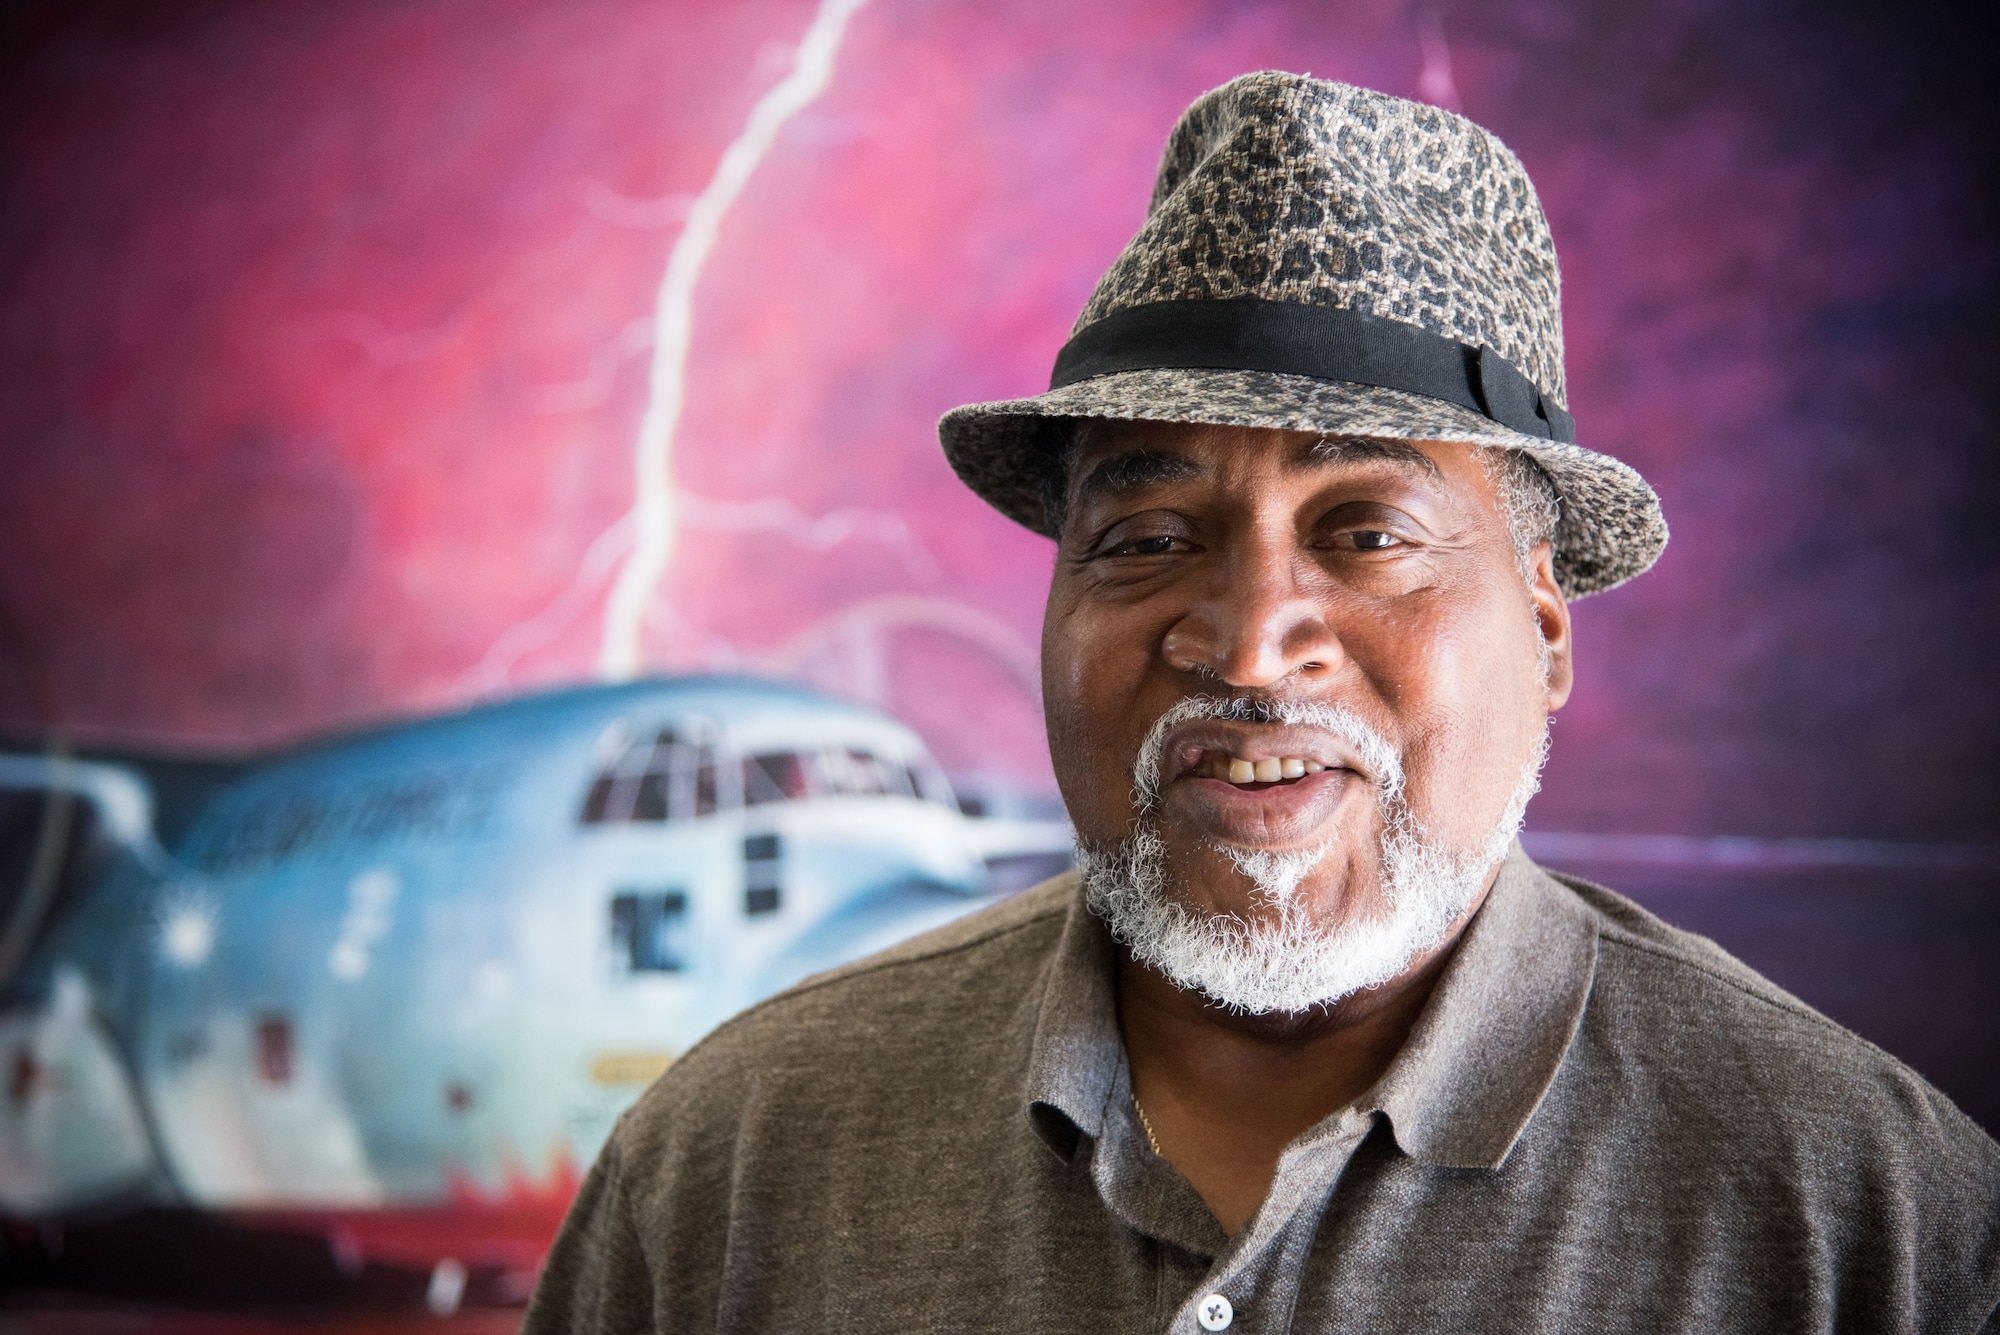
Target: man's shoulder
(928, 978)
(907, 1014)
(1730, 1040)
(1016, 931)
(1682, 963)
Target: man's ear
(1552, 616)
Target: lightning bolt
(493, 674)
(654, 517)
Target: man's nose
(1262, 620)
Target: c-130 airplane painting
(396, 988)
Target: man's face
(1376, 578)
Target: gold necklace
(1146, 1123)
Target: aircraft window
(776, 776)
(661, 778)
(597, 803)
(763, 874)
(651, 801)
(25, 821)
(670, 776)
(888, 775)
(274, 1049)
(704, 791)
(932, 786)
(649, 931)
(857, 772)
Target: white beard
(1285, 960)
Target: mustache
(1375, 751)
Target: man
(1309, 1044)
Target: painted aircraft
(406, 980)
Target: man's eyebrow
(1133, 470)
(1340, 449)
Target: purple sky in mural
(325, 332)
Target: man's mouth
(1251, 771)
(1260, 786)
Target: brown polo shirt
(1598, 1123)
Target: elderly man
(1308, 1043)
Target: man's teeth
(1237, 770)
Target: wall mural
(481, 600)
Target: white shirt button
(1214, 1312)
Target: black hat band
(1324, 342)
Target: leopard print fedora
(1320, 257)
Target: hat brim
(1611, 527)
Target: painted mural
(405, 403)
(395, 990)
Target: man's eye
(1155, 546)
(1373, 540)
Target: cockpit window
(835, 771)
(864, 773)
(668, 776)
(776, 776)
(677, 775)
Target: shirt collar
(1078, 1059)
(1487, 1045)
(1474, 1069)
